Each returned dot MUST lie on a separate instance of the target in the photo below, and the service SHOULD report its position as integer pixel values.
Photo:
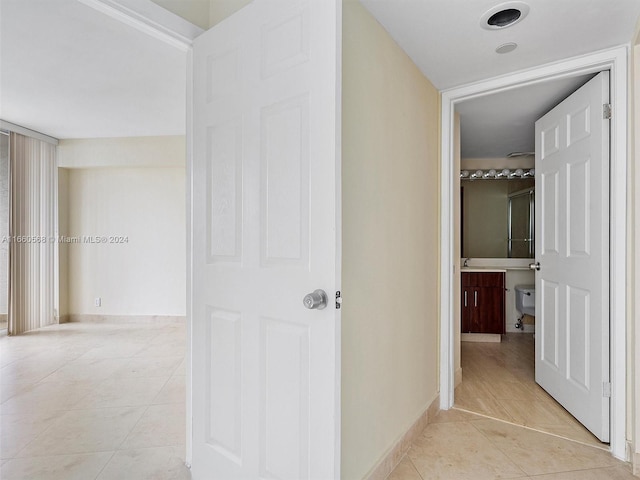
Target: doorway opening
(615, 61)
(501, 379)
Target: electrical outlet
(97, 302)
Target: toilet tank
(526, 299)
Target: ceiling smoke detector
(504, 15)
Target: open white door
(572, 248)
(265, 207)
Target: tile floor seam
(532, 429)
(497, 447)
(132, 428)
(414, 467)
(160, 391)
(105, 465)
(61, 366)
(537, 475)
(16, 454)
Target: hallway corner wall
(390, 208)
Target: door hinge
(606, 389)
(338, 300)
(606, 111)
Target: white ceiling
(445, 40)
(495, 125)
(70, 71)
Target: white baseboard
(144, 319)
(481, 337)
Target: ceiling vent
(504, 15)
(504, 18)
(507, 47)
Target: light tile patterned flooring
(104, 402)
(84, 401)
(498, 382)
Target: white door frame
(615, 60)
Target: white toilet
(525, 302)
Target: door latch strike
(606, 389)
(338, 300)
(606, 111)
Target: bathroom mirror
(497, 218)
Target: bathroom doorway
(451, 351)
(501, 381)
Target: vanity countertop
(483, 269)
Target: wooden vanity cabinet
(483, 302)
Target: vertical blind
(32, 234)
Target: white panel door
(265, 206)
(572, 247)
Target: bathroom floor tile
(488, 406)
(454, 415)
(575, 433)
(498, 380)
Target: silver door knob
(316, 300)
(534, 266)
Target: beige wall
(221, 9)
(146, 275)
(390, 242)
(473, 164)
(203, 13)
(131, 187)
(168, 151)
(194, 11)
